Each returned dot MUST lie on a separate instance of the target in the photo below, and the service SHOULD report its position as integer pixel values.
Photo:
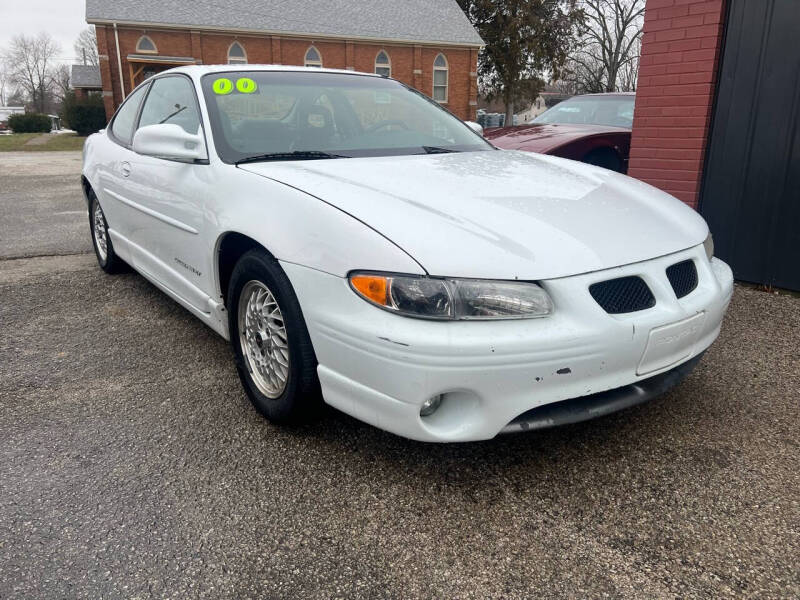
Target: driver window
(125, 119)
(171, 100)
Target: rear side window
(125, 120)
(171, 101)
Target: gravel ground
(133, 466)
(41, 203)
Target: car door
(112, 170)
(167, 232)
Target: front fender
(299, 228)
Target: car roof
(607, 94)
(200, 70)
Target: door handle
(126, 169)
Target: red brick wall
(674, 100)
(411, 64)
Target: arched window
(440, 78)
(313, 58)
(146, 46)
(383, 66)
(236, 54)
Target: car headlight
(452, 299)
(709, 246)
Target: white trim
(312, 63)
(386, 65)
(237, 61)
(152, 43)
(288, 34)
(119, 64)
(446, 86)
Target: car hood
(499, 214)
(545, 136)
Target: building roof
(432, 21)
(85, 76)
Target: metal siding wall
(751, 192)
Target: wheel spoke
(263, 339)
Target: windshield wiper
(296, 155)
(177, 112)
(438, 150)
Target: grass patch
(15, 141)
(61, 141)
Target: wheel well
(87, 189)
(229, 250)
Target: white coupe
(361, 246)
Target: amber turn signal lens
(372, 287)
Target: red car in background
(594, 128)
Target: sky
(62, 19)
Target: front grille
(683, 277)
(623, 295)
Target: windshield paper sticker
(244, 85)
(222, 86)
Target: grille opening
(623, 295)
(683, 278)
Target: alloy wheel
(263, 339)
(100, 232)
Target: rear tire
(274, 356)
(101, 240)
(604, 157)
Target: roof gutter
(286, 34)
(119, 62)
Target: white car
(361, 246)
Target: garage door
(751, 191)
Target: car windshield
(293, 114)
(616, 111)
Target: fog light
(430, 406)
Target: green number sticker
(222, 86)
(246, 85)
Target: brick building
(85, 80)
(428, 45)
(717, 124)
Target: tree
(61, 81)
(4, 85)
(86, 47)
(606, 58)
(29, 62)
(525, 39)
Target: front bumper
(601, 404)
(380, 367)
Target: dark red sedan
(594, 128)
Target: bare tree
(61, 77)
(606, 58)
(86, 47)
(4, 85)
(29, 63)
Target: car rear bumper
(380, 367)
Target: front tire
(101, 241)
(274, 356)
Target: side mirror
(476, 127)
(169, 141)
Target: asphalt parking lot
(133, 466)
